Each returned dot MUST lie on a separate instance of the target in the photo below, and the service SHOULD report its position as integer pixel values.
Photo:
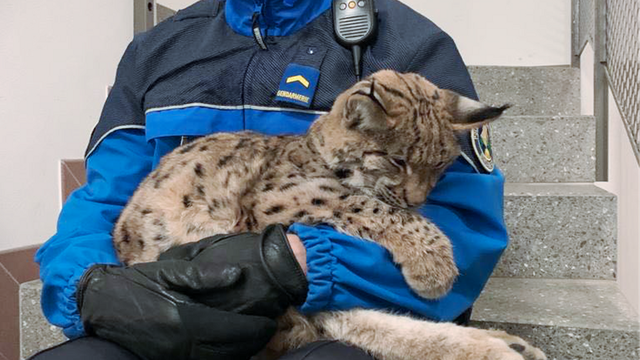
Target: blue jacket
(202, 71)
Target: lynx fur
(361, 168)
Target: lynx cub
(360, 168)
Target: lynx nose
(417, 189)
(415, 195)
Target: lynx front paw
(431, 274)
(483, 345)
(518, 344)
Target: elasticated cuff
(280, 261)
(320, 266)
(70, 307)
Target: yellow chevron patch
(298, 78)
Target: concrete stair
(559, 231)
(35, 332)
(568, 319)
(547, 91)
(555, 284)
(545, 149)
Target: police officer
(222, 66)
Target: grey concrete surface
(568, 319)
(545, 149)
(559, 231)
(36, 333)
(531, 90)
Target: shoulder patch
(298, 85)
(481, 143)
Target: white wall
(495, 32)
(176, 4)
(505, 32)
(587, 77)
(624, 181)
(56, 59)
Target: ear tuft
(468, 114)
(487, 113)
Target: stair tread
(531, 90)
(545, 148)
(590, 304)
(554, 189)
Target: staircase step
(36, 333)
(553, 90)
(561, 231)
(567, 319)
(545, 149)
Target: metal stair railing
(612, 27)
(623, 63)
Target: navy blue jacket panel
(197, 73)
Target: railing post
(601, 91)
(575, 33)
(143, 15)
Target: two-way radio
(354, 23)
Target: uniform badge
(481, 142)
(298, 85)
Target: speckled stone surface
(592, 304)
(545, 149)
(559, 231)
(531, 90)
(568, 319)
(566, 343)
(35, 332)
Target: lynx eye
(440, 165)
(374, 153)
(398, 162)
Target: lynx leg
(518, 344)
(423, 251)
(294, 331)
(393, 337)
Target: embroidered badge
(481, 141)
(298, 85)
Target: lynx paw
(496, 345)
(431, 274)
(522, 347)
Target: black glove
(272, 278)
(143, 308)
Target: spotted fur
(361, 168)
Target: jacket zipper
(257, 33)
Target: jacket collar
(275, 17)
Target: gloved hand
(156, 309)
(143, 309)
(272, 277)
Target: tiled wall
(72, 176)
(17, 266)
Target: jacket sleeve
(118, 158)
(465, 204)
(83, 236)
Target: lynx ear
(469, 114)
(365, 109)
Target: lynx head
(392, 135)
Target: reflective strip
(236, 107)
(466, 157)
(108, 133)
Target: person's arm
(116, 162)
(83, 238)
(465, 204)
